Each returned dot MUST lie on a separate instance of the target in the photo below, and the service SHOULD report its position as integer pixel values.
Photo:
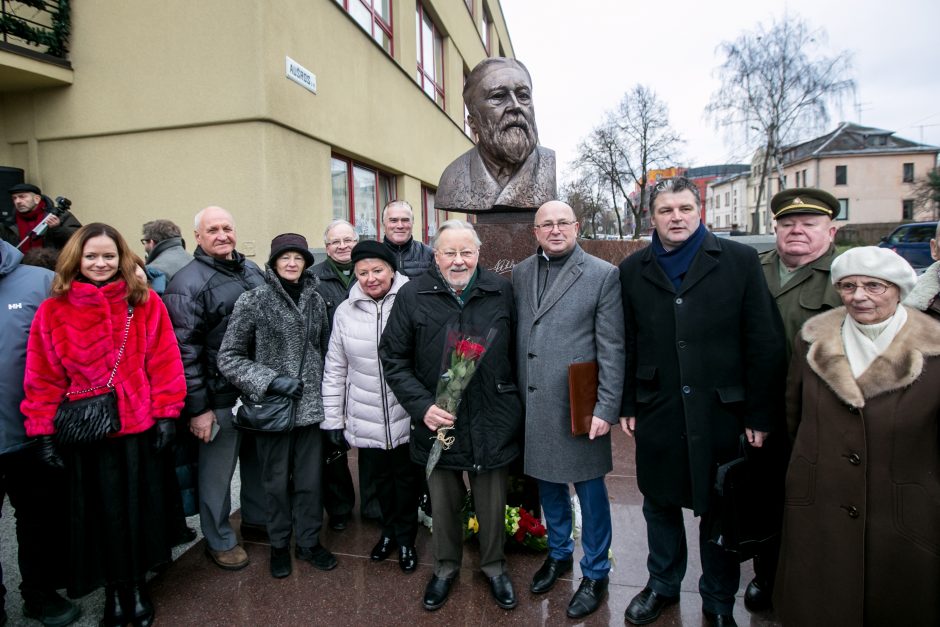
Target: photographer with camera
(38, 223)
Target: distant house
(726, 202)
(870, 170)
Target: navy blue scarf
(675, 263)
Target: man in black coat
(705, 363)
(200, 299)
(457, 300)
(32, 209)
(336, 278)
(412, 257)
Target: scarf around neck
(675, 263)
(861, 348)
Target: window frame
(844, 170)
(379, 175)
(905, 176)
(486, 23)
(377, 21)
(907, 203)
(843, 210)
(422, 74)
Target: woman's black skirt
(120, 523)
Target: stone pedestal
(507, 239)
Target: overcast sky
(584, 54)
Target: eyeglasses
(872, 287)
(453, 254)
(346, 241)
(548, 227)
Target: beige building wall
(874, 183)
(176, 105)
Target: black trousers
(395, 483)
(39, 496)
(339, 494)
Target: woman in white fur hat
(861, 539)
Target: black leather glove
(286, 386)
(47, 453)
(336, 439)
(164, 435)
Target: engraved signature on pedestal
(503, 266)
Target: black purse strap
(117, 362)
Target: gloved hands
(286, 386)
(336, 439)
(165, 432)
(47, 453)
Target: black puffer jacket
(413, 258)
(412, 350)
(200, 299)
(330, 288)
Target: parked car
(912, 241)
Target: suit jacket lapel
(653, 272)
(702, 264)
(568, 274)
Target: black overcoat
(703, 362)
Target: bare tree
(777, 81)
(586, 199)
(927, 192)
(634, 139)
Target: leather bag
(92, 418)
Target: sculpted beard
(506, 139)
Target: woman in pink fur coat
(120, 487)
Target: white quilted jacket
(355, 395)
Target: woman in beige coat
(861, 539)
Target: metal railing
(35, 26)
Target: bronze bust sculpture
(507, 170)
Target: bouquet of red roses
(525, 529)
(465, 353)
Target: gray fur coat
(264, 339)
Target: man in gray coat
(165, 248)
(569, 311)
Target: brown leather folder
(582, 395)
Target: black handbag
(748, 496)
(274, 413)
(92, 418)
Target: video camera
(60, 209)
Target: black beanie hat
(371, 249)
(290, 241)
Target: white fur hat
(878, 263)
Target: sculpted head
(498, 93)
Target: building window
(843, 209)
(908, 176)
(469, 4)
(432, 217)
(842, 176)
(430, 57)
(359, 193)
(375, 16)
(907, 209)
(727, 198)
(485, 23)
(805, 183)
(466, 112)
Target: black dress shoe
(407, 558)
(758, 596)
(647, 606)
(339, 523)
(382, 549)
(319, 556)
(114, 613)
(588, 597)
(52, 610)
(436, 593)
(501, 587)
(719, 620)
(139, 606)
(546, 576)
(280, 562)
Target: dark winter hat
(371, 249)
(804, 200)
(290, 241)
(24, 187)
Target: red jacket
(73, 343)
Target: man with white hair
(336, 279)
(200, 299)
(413, 257)
(459, 301)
